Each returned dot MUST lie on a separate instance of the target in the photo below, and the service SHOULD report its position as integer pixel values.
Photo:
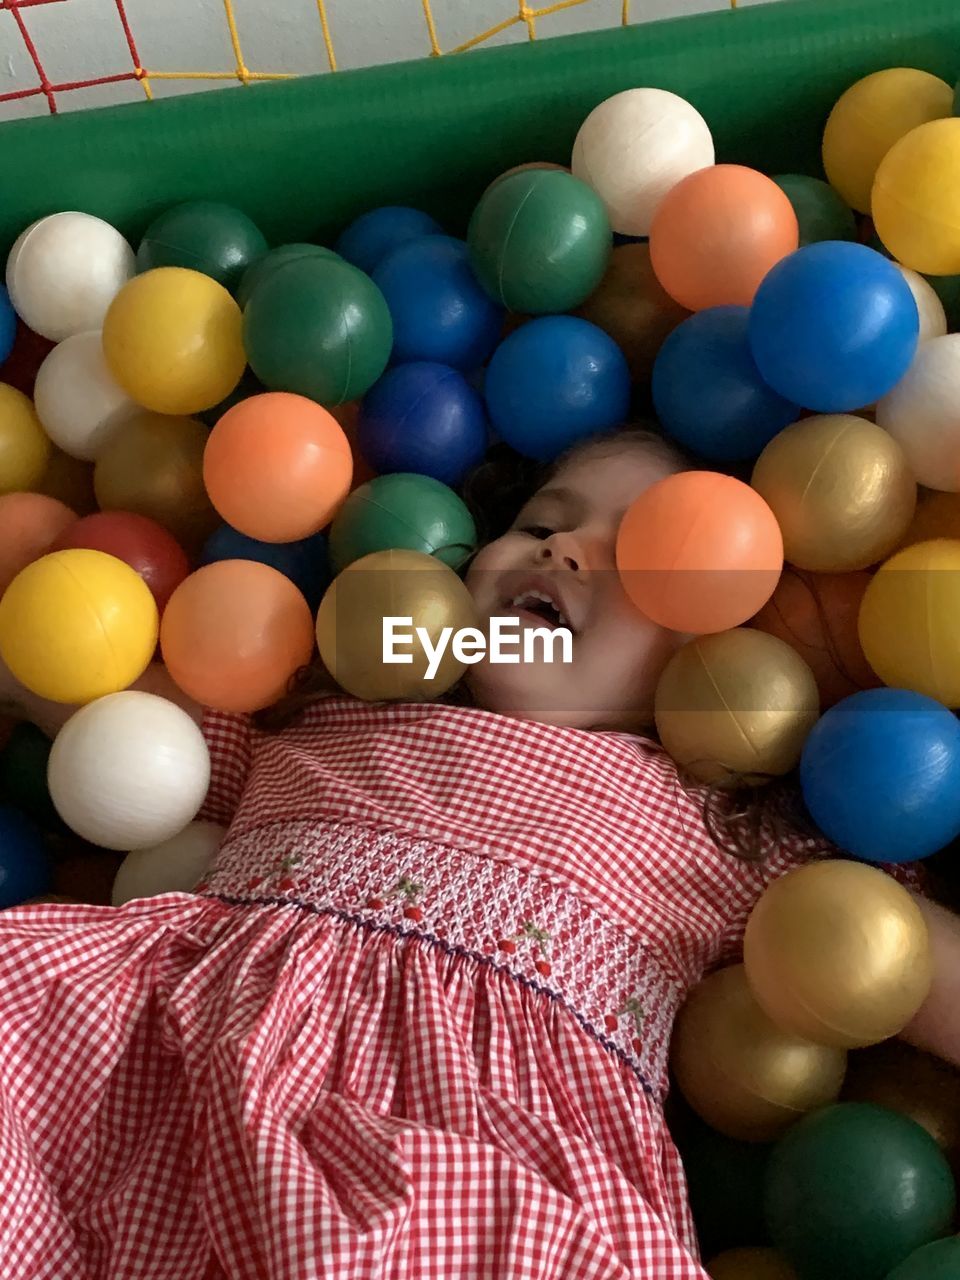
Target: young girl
(415, 1022)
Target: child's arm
(936, 1028)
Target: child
(415, 1023)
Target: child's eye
(536, 530)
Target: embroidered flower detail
(540, 936)
(409, 889)
(636, 1010)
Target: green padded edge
(304, 156)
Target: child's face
(562, 545)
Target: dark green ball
(540, 241)
(852, 1190)
(402, 511)
(318, 327)
(23, 775)
(263, 267)
(937, 1261)
(203, 235)
(820, 211)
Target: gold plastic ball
(398, 584)
(838, 952)
(741, 1073)
(736, 707)
(841, 490)
(750, 1264)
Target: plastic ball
(910, 620)
(70, 481)
(318, 327)
(821, 212)
(305, 562)
(77, 399)
(717, 233)
(64, 271)
(425, 418)
(854, 1189)
(817, 615)
(172, 340)
(375, 234)
(699, 552)
(750, 1264)
(203, 235)
(834, 326)
(632, 306)
(556, 380)
(264, 267)
(915, 196)
(528, 167)
(736, 707)
(403, 512)
(708, 392)
(29, 524)
(234, 633)
(144, 545)
(154, 466)
(837, 951)
(277, 467)
(841, 489)
(634, 147)
(8, 325)
(540, 241)
(394, 583)
(25, 448)
(439, 308)
(23, 774)
(869, 118)
(173, 866)
(25, 867)
(76, 625)
(938, 1260)
(129, 771)
(923, 413)
(933, 317)
(742, 1074)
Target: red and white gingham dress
(414, 1026)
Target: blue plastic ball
(708, 392)
(834, 326)
(556, 380)
(439, 308)
(374, 235)
(25, 866)
(424, 418)
(880, 774)
(8, 324)
(305, 562)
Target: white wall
(84, 39)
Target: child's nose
(574, 549)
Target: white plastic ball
(634, 147)
(128, 771)
(76, 398)
(174, 866)
(922, 413)
(933, 318)
(65, 270)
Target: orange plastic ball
(29, 524)
(277, 466)
(718, 232)
(233, 634)
(699, 552)
(816, 614)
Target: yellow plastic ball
(916, 199)
(25, 448)
(909, 621)
(172, 339)
(869, 118)
(76, 625)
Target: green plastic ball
(852, 1190)
(402, 511)
(540, 241)
(258, 271)
(203, 235)
(937, 1261)
(23, 775)
(821, 212)
(320, 328)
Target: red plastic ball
(136, 540)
